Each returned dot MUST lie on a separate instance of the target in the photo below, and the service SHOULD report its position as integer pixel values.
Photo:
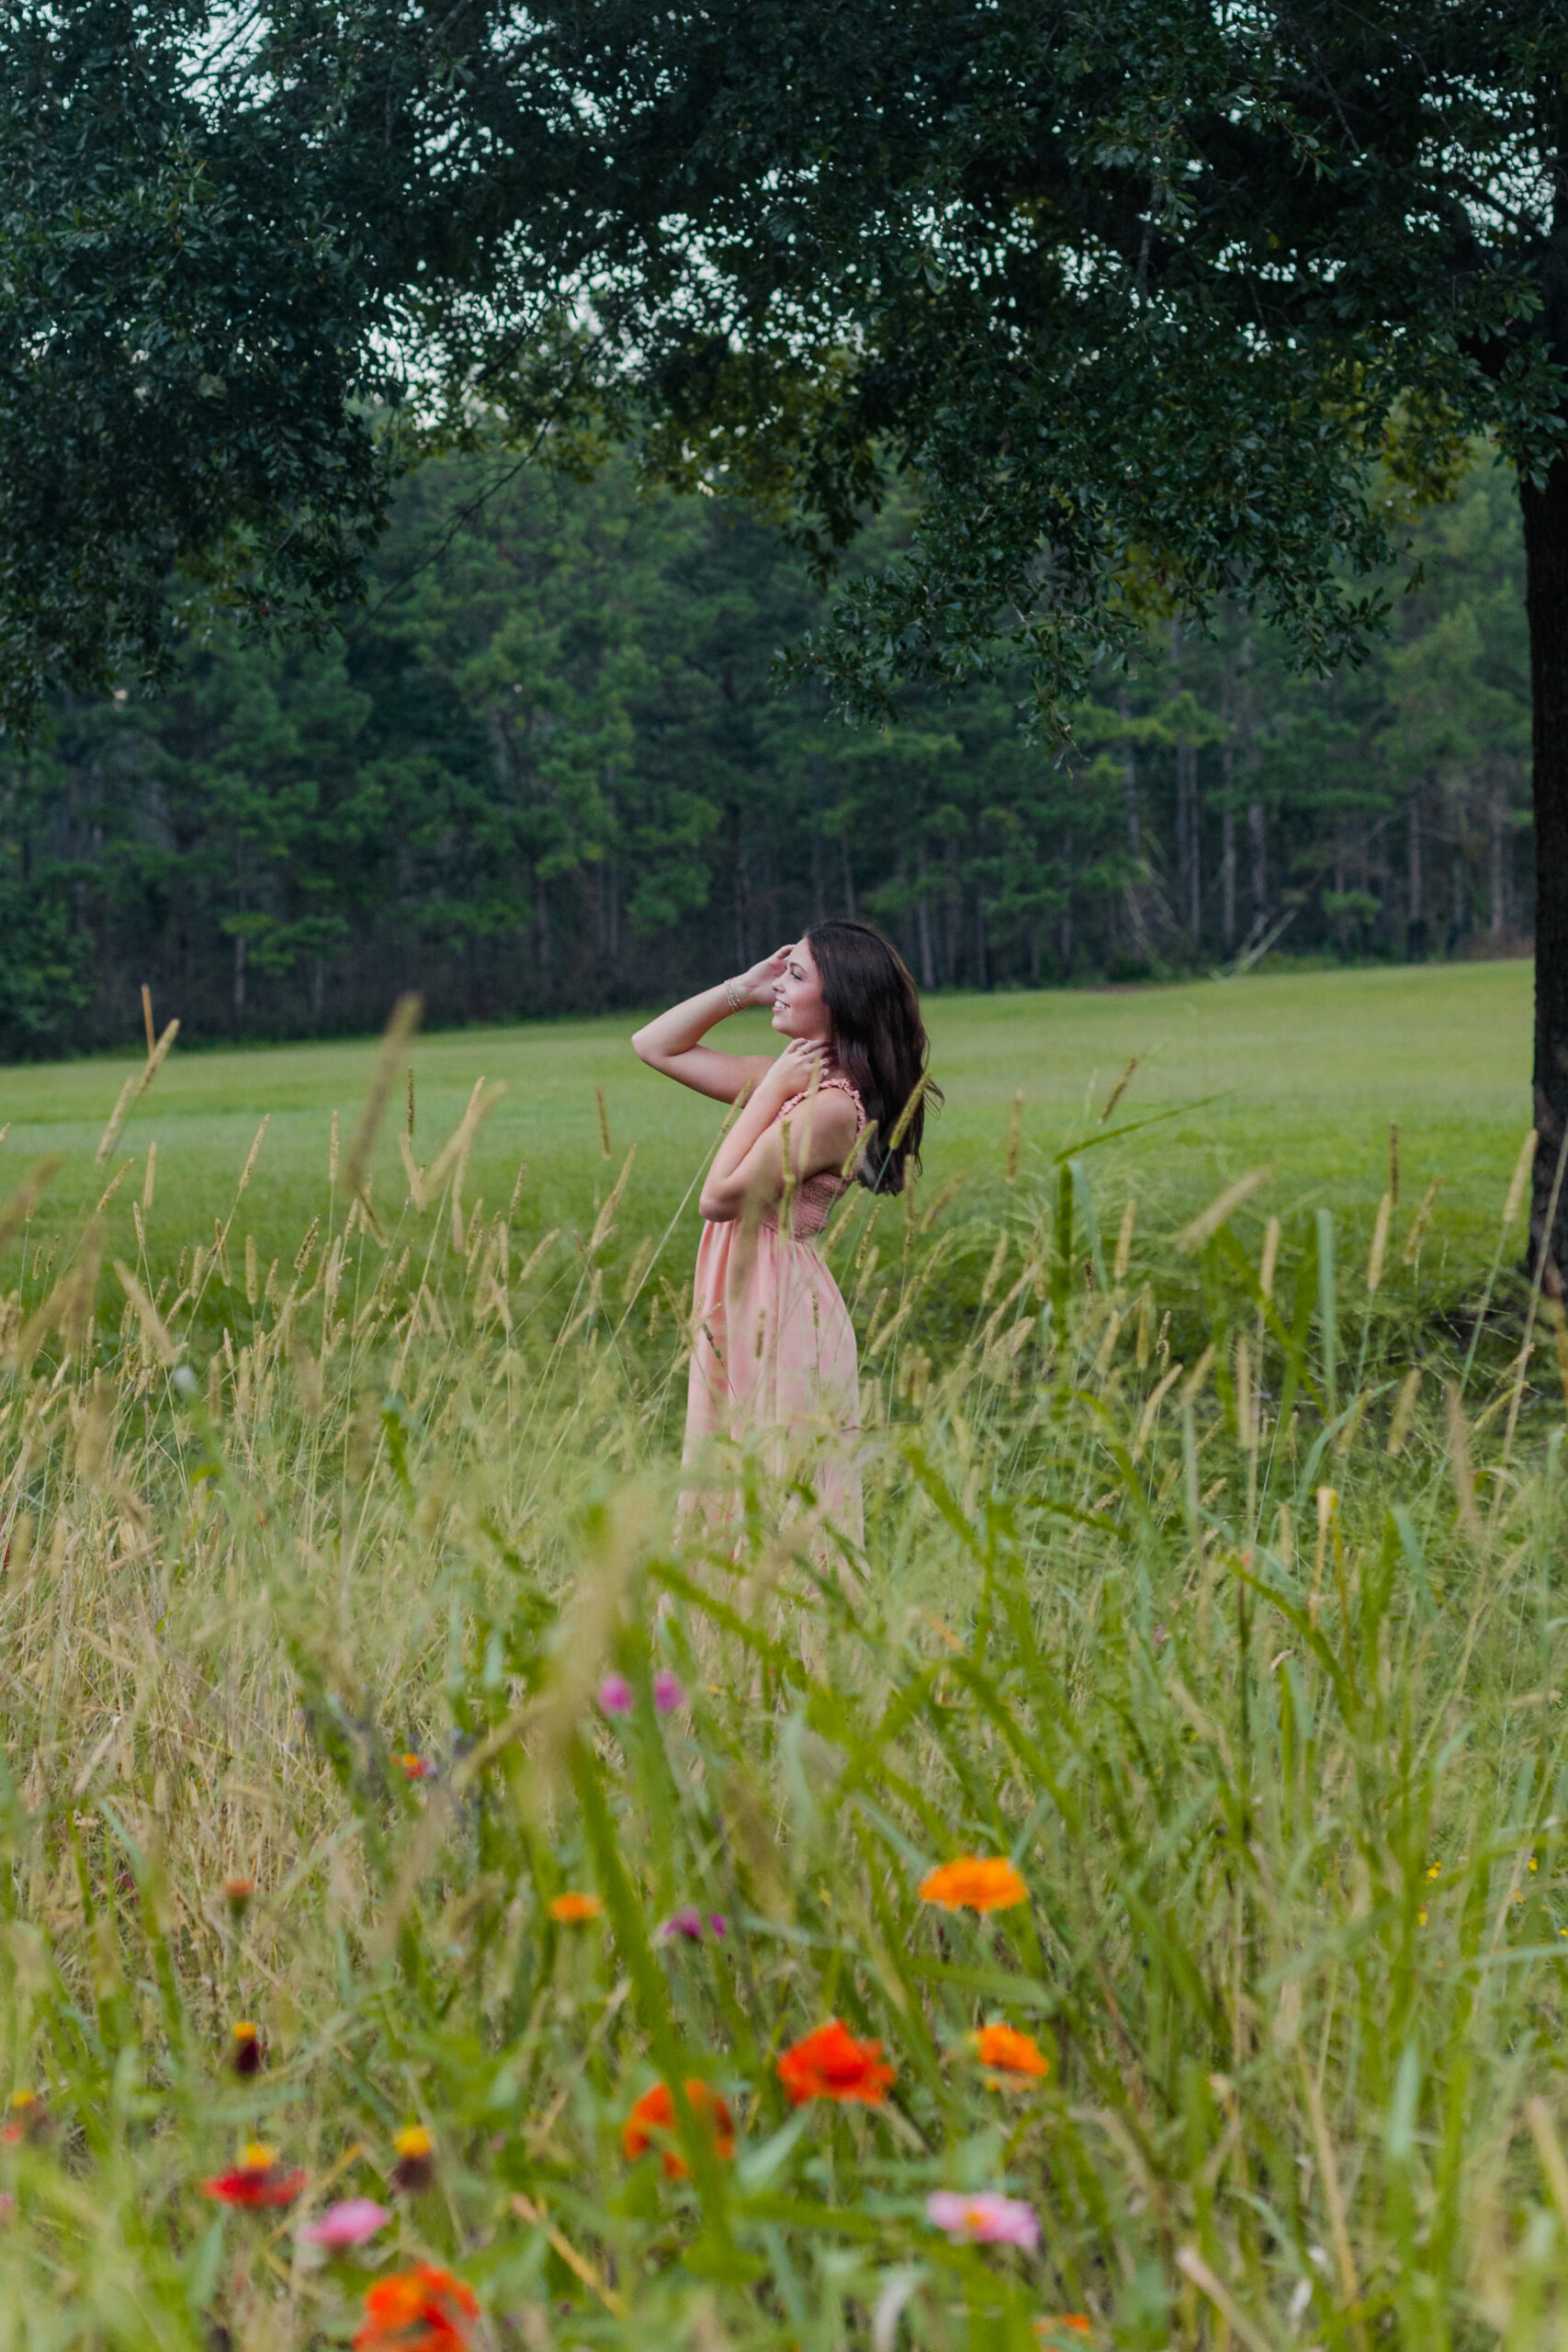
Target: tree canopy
(1152, 310)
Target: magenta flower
(689, 1922)
(667, 1693)
(984, 2219)
(616, 1695)
(348, 2224)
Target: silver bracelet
(735, 1003)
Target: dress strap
(844, 1085)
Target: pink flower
(984, 2219)
(616, 1695)
(688, 1922)
(667, 1693)
(348, 2224)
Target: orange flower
(415, 1767)
(237, 1892)
(571, 1909)
(257, 2179)
(1073, 2323)
(975, 1882)
(1009, 2051)
(653, 2116)
(831, 2063)
(421, 2310)
(27, 2117)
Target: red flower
(421, 2310)
(257, 2179)
(831, 2063)
(416, 1767)
(653, 2117)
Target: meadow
(405, 1807)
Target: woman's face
(799, 1008)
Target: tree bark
(1546, 606)
(1415, 923)
(1227, 851)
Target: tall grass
(1175, 1594)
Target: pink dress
(774, 1349)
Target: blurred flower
(831, 2063)
(237, 1892)
(247, 2051)
(27, 2117)
(653, 2117)
(616, 1695)
(421, 2310)
(7, 2204)
(570, 1910)
(983, 2220)
(1009, 2051)
(689, 1922)
(415, 1768)
(975, 1882)
(347, 2223)
(667, 1693)
(416, 2168)
(1064, 2323)
(257, 2179)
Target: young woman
(773, 1352)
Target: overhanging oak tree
(1152, 301)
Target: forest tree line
(550, 767)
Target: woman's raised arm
(671, 1042)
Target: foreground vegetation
(363, 1689)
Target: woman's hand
(756, 987)
(801, 1061)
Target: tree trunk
(818, 861)
(923, 915)
(239, 953)
(743, 925)
(1499, 873)
(1546, 605)
(1227, 851)
(849, 871)
(1257, 832)
(1416, 926)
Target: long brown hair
(879, 1041)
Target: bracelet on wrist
(734, 1002)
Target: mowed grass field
(1306, 1073)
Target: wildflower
(416, 2168)
(975, 1882)
(653, 2116)
(831, 2063)
(247, 2051)
(257, 2179)
(237, 1892)
(1068, 2323)
(984, 2219)
(571, 1910)
(1009, 2051)
(414, 1766)
(667, 1693)
(421, 2310)
(689, 1922)
(616, 1695)
(27, 2117)
(349, 2222)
